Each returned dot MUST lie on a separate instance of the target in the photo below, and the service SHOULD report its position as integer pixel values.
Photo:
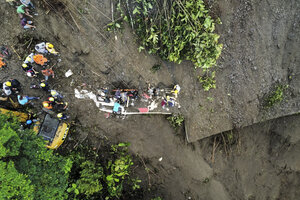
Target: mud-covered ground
(259, 163)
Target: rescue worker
(60, 106)
(23, 100)
(47, 105)
(15, 85)
(44, 86)
(30, 71)
(26, 24)
(52, 100)
(51, 49)
(40, 59)
(29, 59)
(47, 73)
(11, 86)
(170, 101)
(116, 108)
(41, 48)
(6, 88)
(27, 124)
(55, 94)
(26, 67)
(62, 116)
(22, 10)
(176, 90)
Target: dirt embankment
(261, 45)
(261, 165)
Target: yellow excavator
(51, 129)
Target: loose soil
(261, 45)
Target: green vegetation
(275, 96)
(157, 198)
(176, 30)
(155, 68)
(208, 81)
(114, 26)
(176, 120)
(28, 170)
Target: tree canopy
(27, 168)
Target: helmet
(50, 45)
(28, 59)
(24, 65)
(43, 85)
(59, 115)
(29, 74)
(53, 92)
(8, 83)
(29, 122)
(51, 99)
(45, 104)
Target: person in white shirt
(41, 48)
(27, 3)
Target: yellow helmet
(24, 65)
(50, 45)
(51, 99)
(43, 85)
(8, 83)
(28, 59)
(45, 104)
(59, 115)
(53, 92)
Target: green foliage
(28, 170)
(208, 81)
(157, 198)
(118, 170)
(176, 30)
(114, 26)
(275, 96)
(25, 157)
(176, 120)
(14, 185)
(155, 68)
(89, 180)
(90, 176)
(135, 183)
(73, 189)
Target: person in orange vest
(2, 63)
(47, 73)
(40, 59)
(47, 105)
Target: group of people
(54, 103)
(40, 60)
(11, 87)
(23, 11)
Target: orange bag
(39, 59)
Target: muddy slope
(261, 45)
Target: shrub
(176, 120)
(176, 30)
(275, 96)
